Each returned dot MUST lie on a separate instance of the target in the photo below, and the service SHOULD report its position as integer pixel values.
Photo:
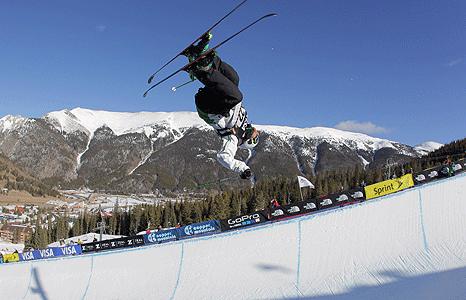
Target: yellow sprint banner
(13, 257)
(389, 186)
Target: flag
(303, 182)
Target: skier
(219, 104)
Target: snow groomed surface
(409, 245)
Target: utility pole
(101, 225)
(102, 228)
(388, 165)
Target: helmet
(250, 138)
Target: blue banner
(161, 236)
(203, 228)
(50, 252)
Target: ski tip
(174, 89)
(150, 79)
(271, 15)
(145, 94)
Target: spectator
(159, 228)
(448, 167)
(178, 225)
(274, 203)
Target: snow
(156, 125)
(7, 247)
(350, 139)
(427, 147)
(364, 161)
(86, 238)
(410, 245)
(121, 122)
(9, 122)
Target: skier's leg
(217, 83)
(226, 155)
(226, 70)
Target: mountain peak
(427, 147)
(120, 122)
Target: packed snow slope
(410, 245)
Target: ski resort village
(239, 149)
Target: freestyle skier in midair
(219, 104)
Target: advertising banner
(244, 220)
(136, 241)
(88, 247)
(50, 252)
(13, 257)
(197, 229)
(389, 186)
(439, 172)
(427, 175)
(130, 241)
(325, 202)
(162, 236)
(294, 209)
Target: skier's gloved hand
(246, 174)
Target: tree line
(230, 203)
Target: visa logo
(46, 253)
(68, 251)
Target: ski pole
(187, 82)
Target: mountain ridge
(104, 149)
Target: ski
(207, 53)
(196, 40)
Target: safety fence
(257, 218)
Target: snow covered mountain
(427, 147)
(148, 150)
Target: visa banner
(389, 186)
(50, 252)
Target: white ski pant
(226, 155)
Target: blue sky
(393, 69)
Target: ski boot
(194, 51)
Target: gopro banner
(244, 220)
(50, 252)
(198, 229)
(389, 186)
(162, 236)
